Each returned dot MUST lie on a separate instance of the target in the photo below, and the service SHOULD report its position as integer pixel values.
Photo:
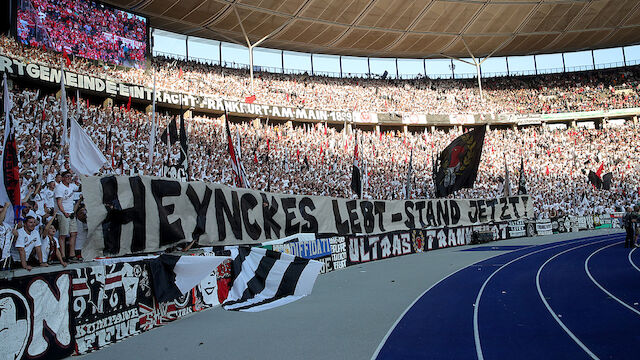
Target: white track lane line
(546, 304)
(384, 340)
(476, 305)
(586, 268)
(631, 261)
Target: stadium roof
(403, 28)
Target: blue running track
(576, 299)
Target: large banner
(34, 317)
(134, 214)
(106, 303)
(107, 88)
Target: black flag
(459, 162)
(173, 132)
(163, 137)
(606, 181)
(522, 184)
(184, 152)
(356, 179)
(595, 180)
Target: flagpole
(152, 137)
(63, 105)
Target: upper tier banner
(106, 87)
(141, 213)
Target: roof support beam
(250, 45)
(477, 64)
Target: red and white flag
(239, 175)
(9, 171)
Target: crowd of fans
(85, 28)
(316, 159)
(553, 93)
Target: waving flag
(522, 184)
(459, 162)
(84, 156)
(239, 175)
(264, 279)
(407, 188)
(63, 108)
(9, 172)
(356, 178)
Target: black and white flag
(264, 279)
(173, 275)
(356, 177)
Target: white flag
(63, 107)
(84, 156)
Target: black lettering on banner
(169, 232)
(492, 204)
(410, 222)
(342, 227)
(366, 208)
(504, 208)
(454, 211)
(525, 200)
(513, 201)
(379, 207)
(443, 213)
(290, 228)
(420, 205)
(249, 202)
(353, 216)
(234, 218)
(482, 211)
(473, 211)
(201, 210)
(268, 212)
(312, 223)
(117, 216)
(431, 218)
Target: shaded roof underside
(403, 28)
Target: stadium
(238, 168)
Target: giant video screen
(84, 28)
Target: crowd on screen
(85, 28)
(552, 93)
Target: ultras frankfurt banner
(140, 213)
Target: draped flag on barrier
(174, 275)
(140, 213)
(264, 279)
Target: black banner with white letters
(35, 317)
(134, 214)
(105, 303)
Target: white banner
(544, 227)
(105, 87)
(365, 117)
(135, 214)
